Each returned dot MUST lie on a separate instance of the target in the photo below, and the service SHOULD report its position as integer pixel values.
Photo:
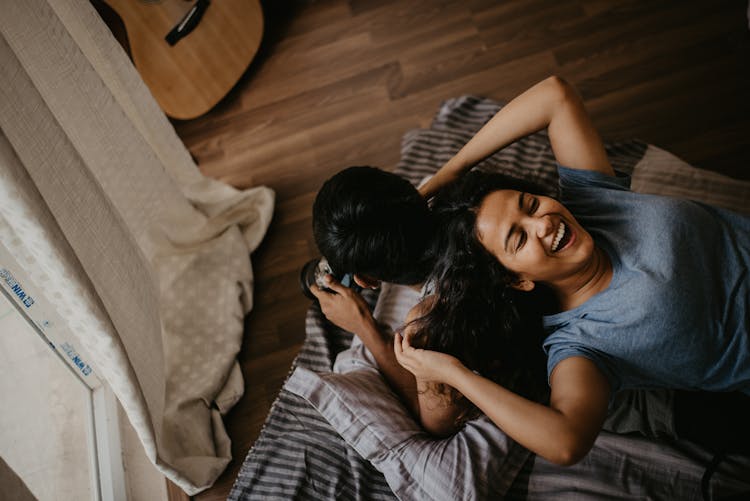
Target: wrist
(458, 376)
(368, 327)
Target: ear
(523, 285)
(366, 282)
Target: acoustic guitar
(191, 53)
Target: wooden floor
(339, 82)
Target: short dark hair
(372, 222)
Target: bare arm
(552, 104)
(438, 412)
(562, 432)
(348, 310)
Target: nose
(542, 225)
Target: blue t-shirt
(675, 314)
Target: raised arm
(552, 104)
(562, 432)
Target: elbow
(440, 421)
(566, 458)
(570, 454)
(440, 429)
(558, 84)
(561, 90)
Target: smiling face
(533, 236)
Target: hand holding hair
(426, 365)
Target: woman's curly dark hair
(476, 315)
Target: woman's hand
(343, 307)
(445, 176)
(426, 365)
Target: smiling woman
(632, 275)
(537, 239)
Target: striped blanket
(299, 455)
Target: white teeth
(558, 237)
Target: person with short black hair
(375, 225)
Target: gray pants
(647, 412)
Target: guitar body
(190, 77)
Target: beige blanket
(147, 261)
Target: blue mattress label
(16, 288)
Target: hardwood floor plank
(410, 24)
(621, 58)
(590, 35)
(304, 109)
(664, 66)
(536, 23)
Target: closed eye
(534, 205)
(521, 240)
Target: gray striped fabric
(299, 455)
(478, 462)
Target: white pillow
(478, 462)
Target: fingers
(406, 339)
(402, 342)
(322, 293)
(397, 348)
(316, 291)
(402, 348)
(335, 285)
(405, 354)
